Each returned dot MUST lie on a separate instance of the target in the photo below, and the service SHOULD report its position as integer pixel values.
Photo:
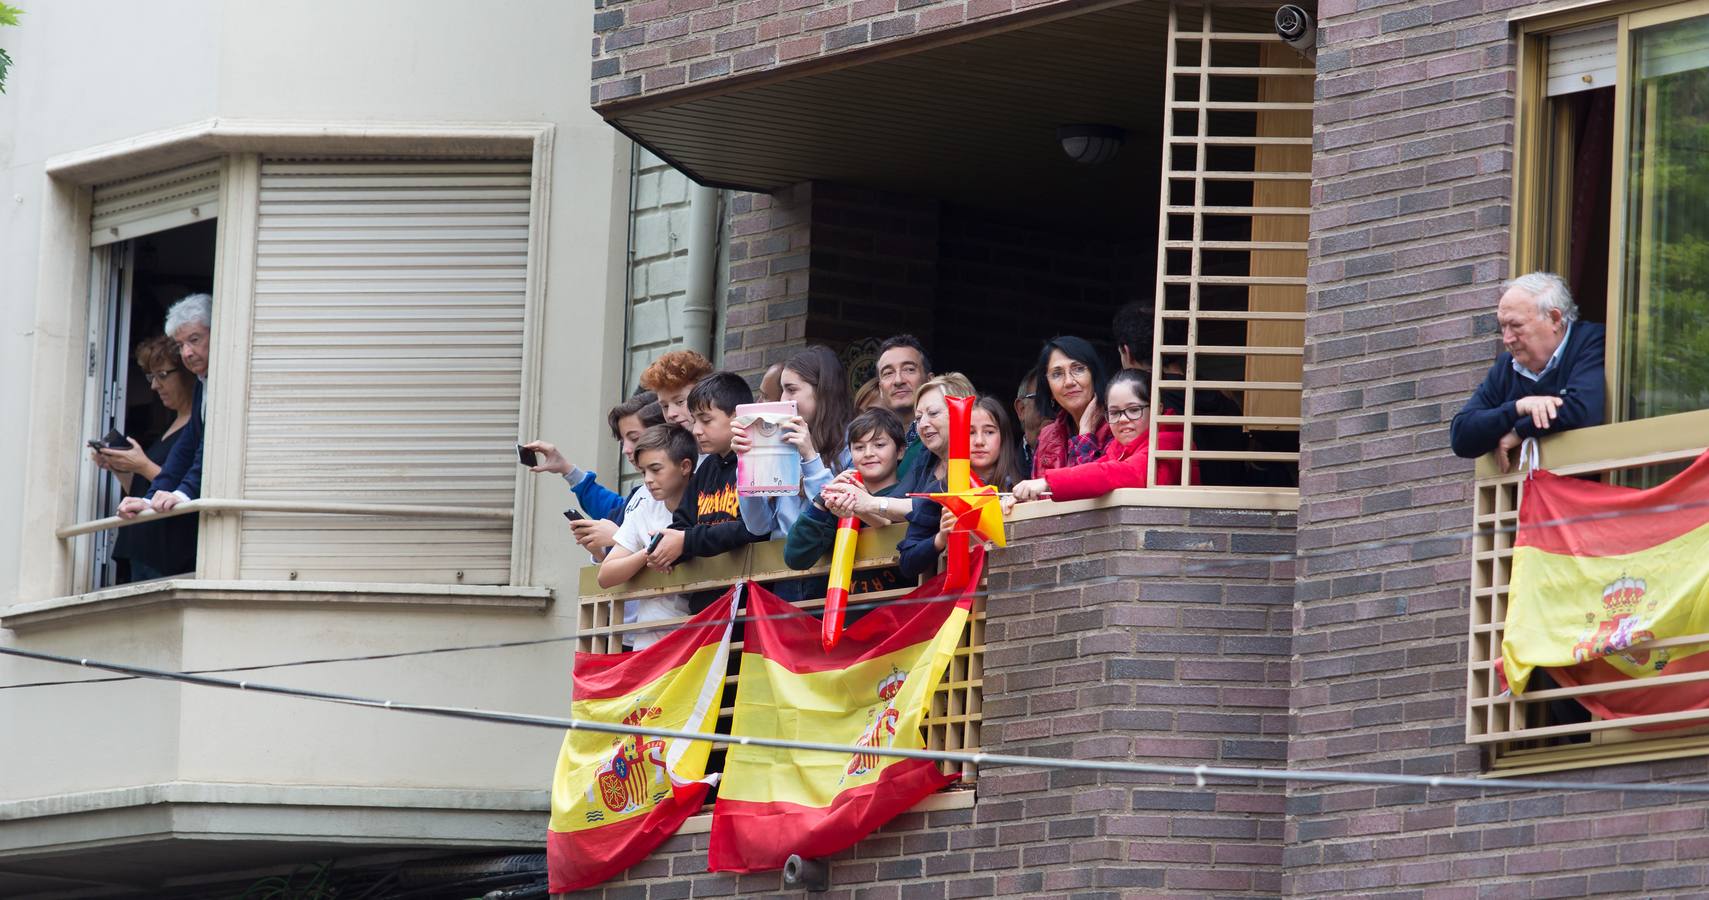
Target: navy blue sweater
(1578, 380)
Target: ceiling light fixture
(1090, 144)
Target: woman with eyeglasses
(1069, 401)
(155, 549)
(1125, 458)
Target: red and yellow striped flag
(1597, 569)
(871, 690)
(617, 797)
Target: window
(154, 240)
(1664, 325)
(1611, 193)
(371, 324)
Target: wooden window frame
(1532, 240)
(1274, 346)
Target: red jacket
(1121, 467)
(1054, 440)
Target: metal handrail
(215, 505)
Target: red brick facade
(652, 46)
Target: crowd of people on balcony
(1070, 431)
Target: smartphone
(573, 514)
(654, 543)
(526, 457)
(113, 441)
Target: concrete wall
(89, 74)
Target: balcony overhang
(968, 114)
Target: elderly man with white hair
(189, 322)
(1549, 380)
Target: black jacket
(709, 518)
(1578, 380)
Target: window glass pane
(1665, 359)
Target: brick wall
(1009, 280)
(1104, 641)
(874, 270)
(1411, 204)
(651, 46)
(1144, 635)
(765, 308)
(659, 209)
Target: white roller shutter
(1582, 59)
(386, 366)
(155, 202)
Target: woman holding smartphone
(154, 549)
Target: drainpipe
(699, 305)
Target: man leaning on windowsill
(190, 323)
(1549, 380)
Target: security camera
(1296, 29)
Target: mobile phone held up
(573, 514)
(526, 457)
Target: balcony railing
(954, 719)
(1522, 737)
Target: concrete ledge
(141, 836)
(185, 592)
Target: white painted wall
(90, 72)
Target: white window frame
(48, 565)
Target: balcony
(1150, 625)
(1520, 735)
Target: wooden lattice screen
(1231, 263)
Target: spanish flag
(617, 797)
(871, 690)
(1598, 571)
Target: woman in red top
(1125, 456)
(1075, 432)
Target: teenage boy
(665, 455)
(902, 368)
(626, 420)
(672, 376)
(709, 521)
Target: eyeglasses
(1130, 414)
(1076, 370)
(155, 378)
(1027, 397)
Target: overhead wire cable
(1199, 773)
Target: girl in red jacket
(1127, 407)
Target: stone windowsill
(191, 591)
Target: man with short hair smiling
(189, 322)
(902, 368)
(1549, 380)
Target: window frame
(1531, 235)
(50, 567)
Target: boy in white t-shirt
(665, 454)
